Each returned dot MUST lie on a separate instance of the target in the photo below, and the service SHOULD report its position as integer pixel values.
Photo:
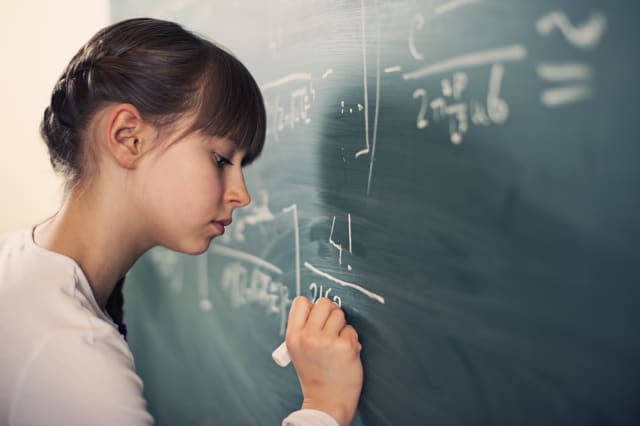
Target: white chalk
(281, 355)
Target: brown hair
(167, 73)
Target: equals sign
(575, 75)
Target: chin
(199, 249)
(193, 247)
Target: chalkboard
(462, 176)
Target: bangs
(229, 103)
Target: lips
(224, 222)
(220, 224)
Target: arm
(325, 352)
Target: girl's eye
(220, 160)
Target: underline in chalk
(515, 52)
(354, 286)
(236, 254)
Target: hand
(325, 352)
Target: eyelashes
(220, 161)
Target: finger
(300, 308)
(349, 333)
(320, 313)
(335, 323)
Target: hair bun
(58, 101)
(59, 138)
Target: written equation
(251, 280)
(444, 92)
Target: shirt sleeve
(80, 380)
(309, 417)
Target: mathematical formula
(291, 99)
(249, 279)
(447, 92)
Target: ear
(126, 135)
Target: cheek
(184, 192)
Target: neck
(94, 231)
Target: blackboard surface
(461, 175)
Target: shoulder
(12, 239)
(76, 378)
(21, 260)
(64, 361)
(16, 233)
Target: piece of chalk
(281, 355)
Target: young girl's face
(189, 190)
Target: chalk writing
(452, 5)
(586, 36)
(246, 257)
(358, 107)
(498, 109)
(343, 283)
(510, 53)
(565, 95)
(447, 92)
(327, 73)
(575, 75)
(564, 71)
(450, 104)
(323, 292)
(205, 303)
(417, 25)
(395, 68)
(254, 286)
(258, 282)
(422, 122)
(370, 148)
(339, 246)
(290, 103)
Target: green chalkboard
(461, 175)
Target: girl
(150, 126)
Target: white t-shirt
(63, 361)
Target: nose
(237, 194)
